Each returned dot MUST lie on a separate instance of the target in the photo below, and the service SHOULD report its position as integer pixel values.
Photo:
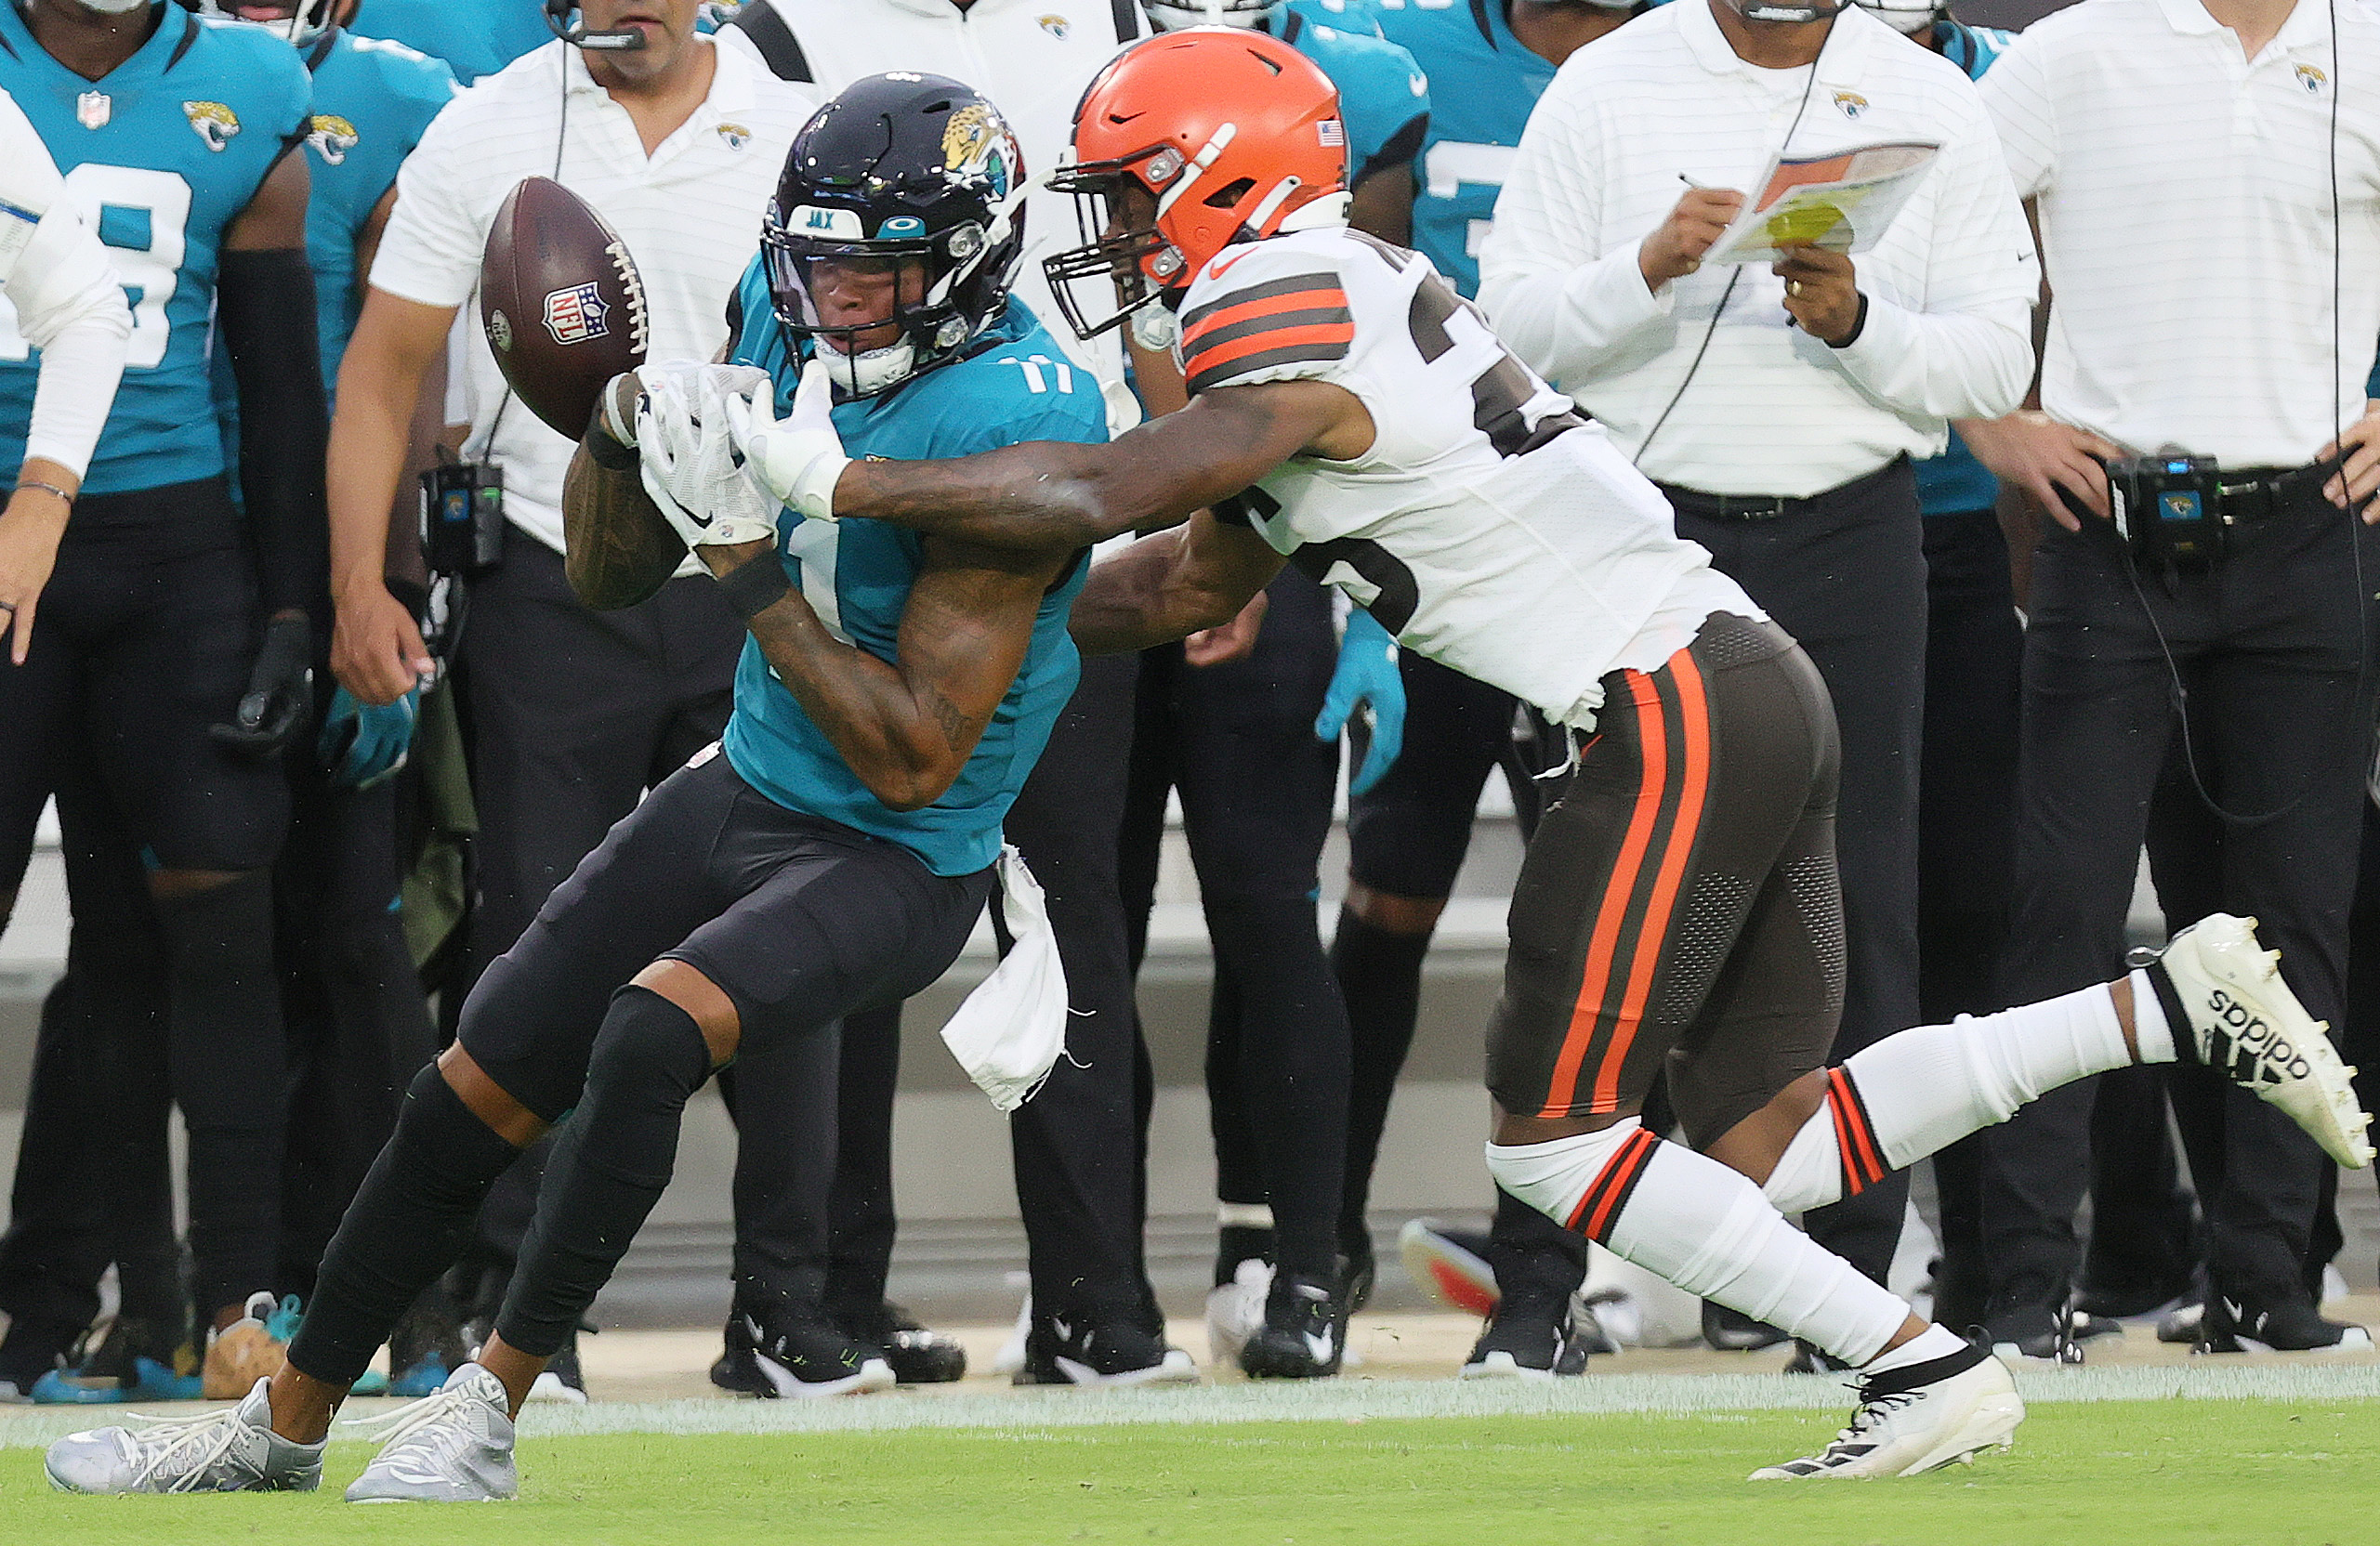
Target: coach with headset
(1779, 406)
(2206, 177)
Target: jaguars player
(365, 1025)
(1277, 1055)
(1678, 912)
(177, 635)
(832, 853)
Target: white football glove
(689, 465)
(798, 458)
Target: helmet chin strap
(871, 371)
(116, 7)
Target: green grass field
(2211, 1472)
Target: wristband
(606, 450)
(754, 585)
(65, 498)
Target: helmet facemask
(1134, 258)
(306, 20)
(921, 327)
(1172, 16)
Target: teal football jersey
(160, 156)
(1483, 82)
(1955, 481)
(474, 37)
(373, 99)
(1346, 16)
(856, 574)
(1384, 97)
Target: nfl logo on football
(577, 314)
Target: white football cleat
(2241, 1019)
(1451, 1264)
(1235, 1311)
(455, 1446)
(230, 1449)
(1916, 1418)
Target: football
(561, 300)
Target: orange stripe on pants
(1613, 910)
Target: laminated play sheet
(1842, 202)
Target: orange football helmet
(1229, 132)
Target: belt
(2253, 495)
(1750, 508)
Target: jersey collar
(2308, 22)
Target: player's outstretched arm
(1198, 575)
(907, 726)
(1060, 497)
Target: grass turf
(2209, 1472)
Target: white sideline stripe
(1339, 1401)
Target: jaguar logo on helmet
(332, 137)
(213, 123)
(977, 144)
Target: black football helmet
(899, 168)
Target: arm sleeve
(70, 304)
(2016, 93)
(436, 236)
(1968, 352)
(264, 303)
(1561, 303)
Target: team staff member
(2270, 634)
(1777, 408)
(572, 715)
(1076, 1143)
(175, 137)
(1276, 1044)
(66, 301)
(1407, 835)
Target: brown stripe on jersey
(1326, 279)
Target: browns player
(1678, 910)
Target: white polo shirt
(1033, 59)
(689, 215)
(1771, 409)
(2186, 221)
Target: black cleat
(1733, 1331)
(1532, 1337)
(2034, 1333)
(798, 1357)
(917, 1356)
(1304, 1335)
(1061, 1352)
(2294, 1326)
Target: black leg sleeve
(1379, 976)
(860, 1220)
(408, 1223)
(610, 1164)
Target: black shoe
(797, 1357)
(2294, 1326)
(2179, 1326)
(1304, 1335)
(2085, 1327)
(1531, 1338)
(1060, 1352)
(2123, 1303)
(32, 1349)
(917, 1356)
(2036, 1333)
(1732, 1331)
(1810, 1360)
(1587, 1335)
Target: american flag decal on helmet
(1333, 133)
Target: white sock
(1704, 1227)
(1910, 1095)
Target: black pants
(1966, 833)
(1237, 742)
(1079, 1145)
(570, 715)
(2270, 647)
(1407, 836)
(1846, 577)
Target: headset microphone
(558, 15)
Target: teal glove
(1367, 674)
(364, 745)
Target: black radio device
(2168, 508)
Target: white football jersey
(1490, 527)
